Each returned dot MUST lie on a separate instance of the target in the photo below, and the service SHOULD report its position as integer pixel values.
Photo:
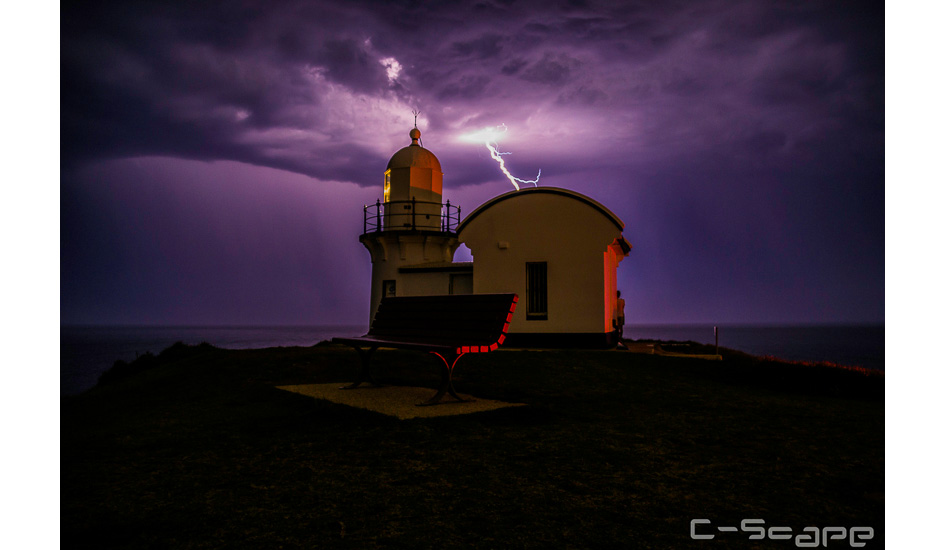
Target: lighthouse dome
(414, 156)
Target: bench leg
(446, 385)
(364, 376)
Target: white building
(557, 249)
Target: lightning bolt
(495, 154)
(487, 136)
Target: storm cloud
(741, 141)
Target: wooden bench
(446, 326)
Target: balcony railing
(411, 215)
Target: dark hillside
(196, 448)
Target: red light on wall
(466, 349)
(484, 349)
(504, 329)
(501, 339)
(515, 299)
(510, 315)
(493, 347)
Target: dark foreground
(195, 448)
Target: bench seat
(447, 326)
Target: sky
(215, 156)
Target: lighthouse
(557, 249)
(411, 234)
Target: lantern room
(412, 188)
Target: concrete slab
(398, 401)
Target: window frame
(536, 291)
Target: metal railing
(411, 215)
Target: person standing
(621, 318)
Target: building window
(537, 290)
(386, 188)
(389, 288)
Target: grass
(196, 448)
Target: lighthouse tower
(411, 235)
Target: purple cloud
(739, 140)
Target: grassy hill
(196, 448)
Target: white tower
(411, 227)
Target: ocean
(852, 345)
(88, 351)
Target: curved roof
(544, 190)
(414, 155)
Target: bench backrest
(470, 320)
